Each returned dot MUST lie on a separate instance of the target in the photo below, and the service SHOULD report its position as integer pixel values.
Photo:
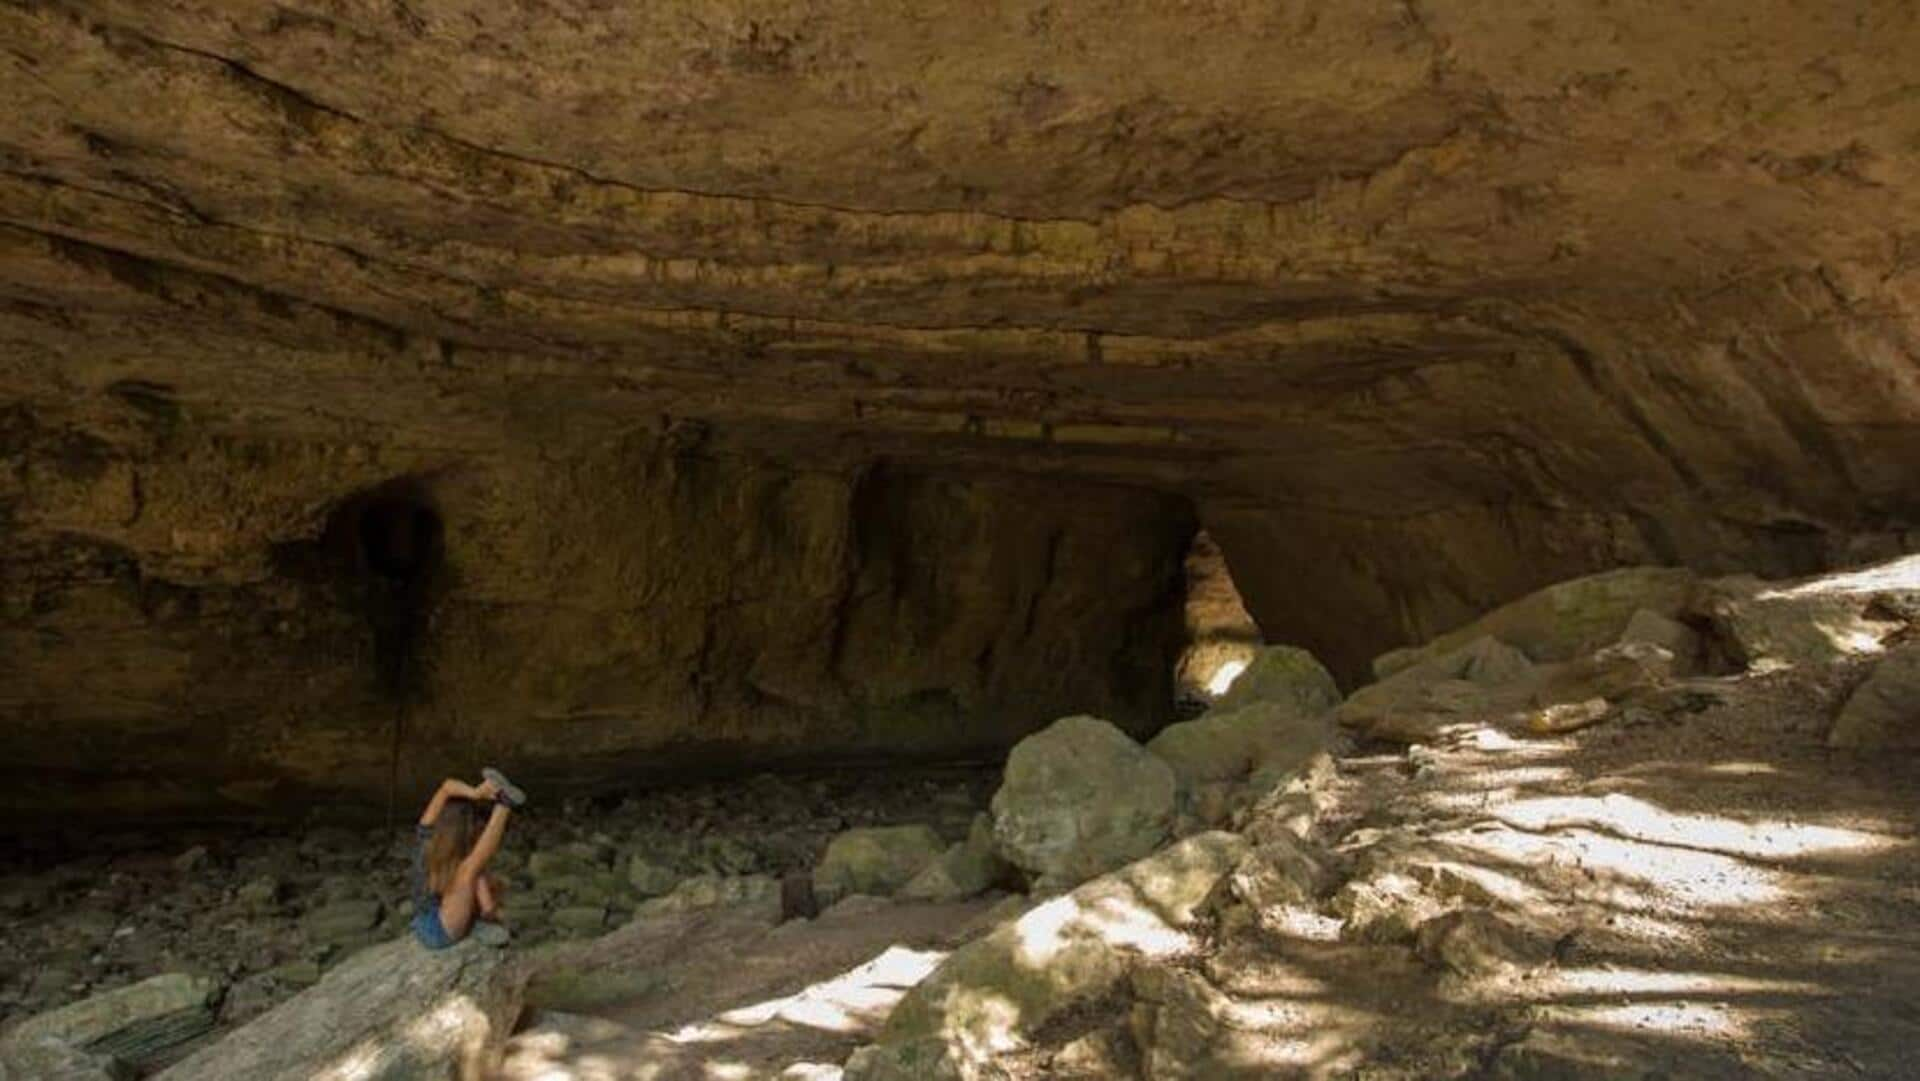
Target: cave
(751, 423)
(387, 539)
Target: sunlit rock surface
(993, 995)
(395, 1012)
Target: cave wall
(1423, 305)
(190, 632)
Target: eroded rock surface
(1884, 712)
(396, 1012)
(991, 996)
(716, 374)
(630, 612)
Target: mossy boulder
(876, 860)
(1080, 798)
(962, 871)
(1283, 676)
(1564, 619)
(1231, 745)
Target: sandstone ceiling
(1422, 303)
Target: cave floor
(792, 1004)
(1717, 894)
(1713, 892)
(266, 909)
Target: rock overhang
(1420, 306)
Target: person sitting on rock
(452, 893)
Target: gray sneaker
(489, 933)
(510, 793)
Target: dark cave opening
(389, 539)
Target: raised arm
(449, 789)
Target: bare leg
(459, 902)
(486, 894)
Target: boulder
(252, 997)
(964, 870)
(1181, 1025)
(51, 1060)
(1563, 620)
(759, 893)
(1409, 729)
(1080, 798)
(988, 999)
(580, 918)
(133, 1024)
(875, 860)
(1567, 716)
(1486, 662)
(650, 879)
(1231, 745)
(1283, 676)
(654, 956)
(1291, 809)
(342, 921)
(1774, 625)
(302, 973)
(1884, 711)
(562, 862)
(729, 856)
(1280, 873)
(1669, 634)
(1416, 702)
(1386, 906)
(260, 896)
(587, 888)
(1100, 1055)
(1476, 942)
(394, 1012)
(1616, 673)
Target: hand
(486, 790)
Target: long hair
(453, 835)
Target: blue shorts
(429, 930)
(426, 904)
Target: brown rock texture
(630, 612)
(1420, 305)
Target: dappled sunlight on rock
(855, 1002)
(1046, 931)
(992, 995)
(771, 1003)
(1631, 872)
(1639, 820)
(1615, 982)
(1671, 1018)
(1741, 769)
(1895, 574)
(1494, 740)
(1223, 677)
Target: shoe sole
(509, 791)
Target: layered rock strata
(1422, 307)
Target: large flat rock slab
(394, 1012)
